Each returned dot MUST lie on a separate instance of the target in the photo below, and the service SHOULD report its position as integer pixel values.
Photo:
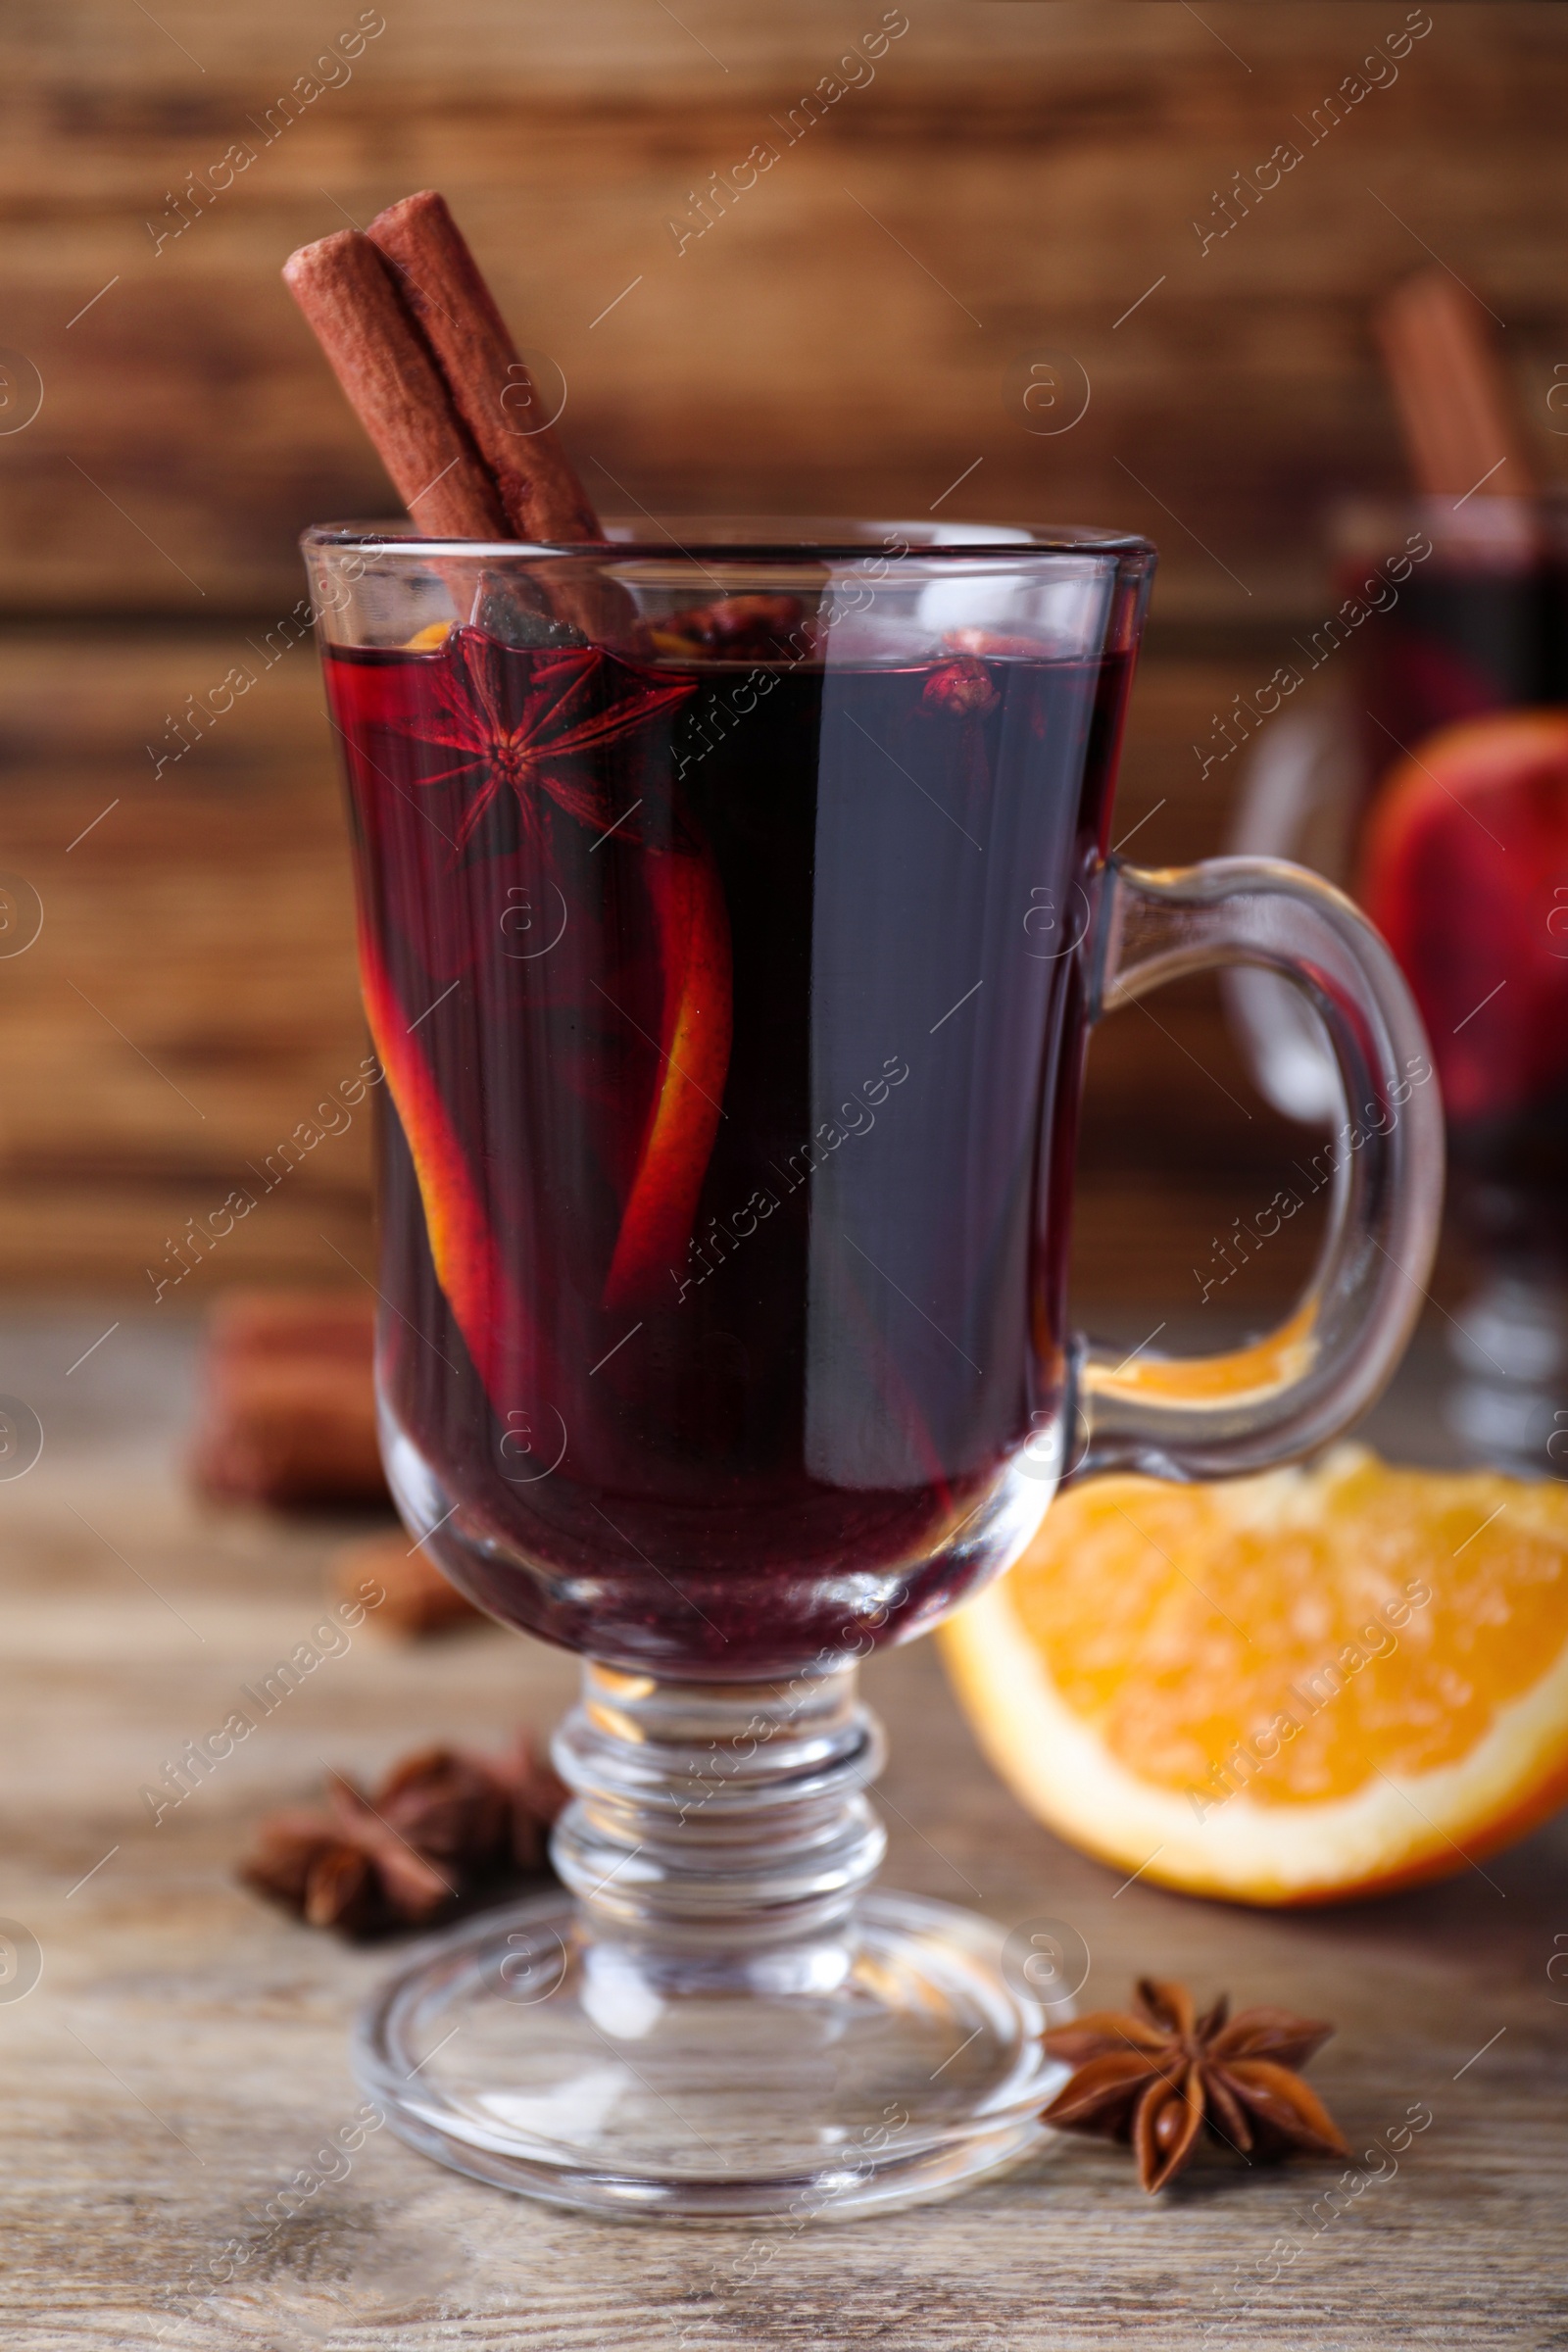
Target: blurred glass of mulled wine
(1424, 768)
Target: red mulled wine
(1466, 637)
(728, 1012)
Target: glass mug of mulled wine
(1431, 781)
(734, 906)
(1464, 687)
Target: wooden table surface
(184, 2053)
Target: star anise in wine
(442, 1827)
(1161, 2077)
(523, 725)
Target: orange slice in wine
(694, 953)
(467, 1264)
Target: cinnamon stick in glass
(1453, 401)
(491, 388)
(415, 337)
(349, 295)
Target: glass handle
(1218, 1416)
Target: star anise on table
(443, 1827)
(1159, 2078)
(526, 726)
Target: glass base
(884, 2060)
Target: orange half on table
(1294, 1688)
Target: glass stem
(712, 1816)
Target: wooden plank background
(853, 333)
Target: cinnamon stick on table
(1453, 398)
(288, 1403)
(417, 1600)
